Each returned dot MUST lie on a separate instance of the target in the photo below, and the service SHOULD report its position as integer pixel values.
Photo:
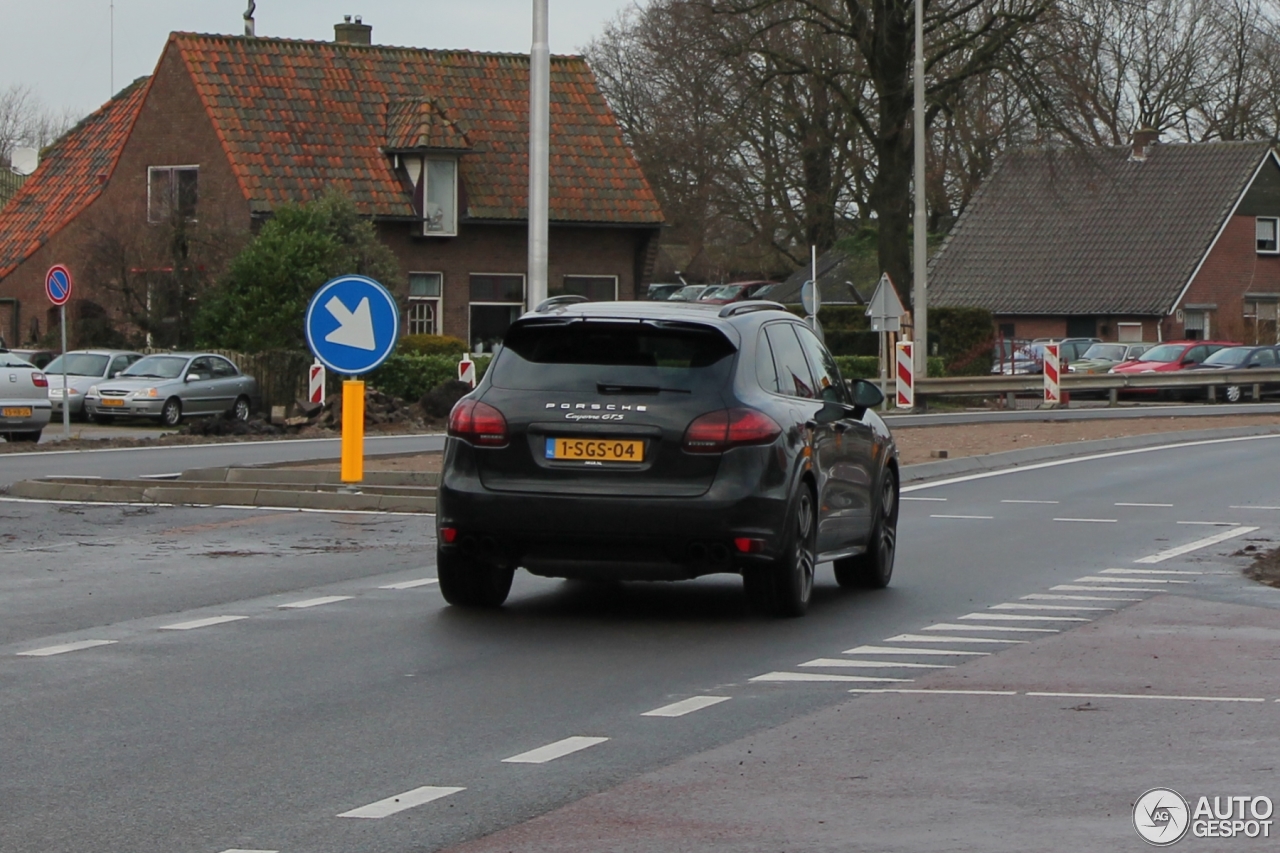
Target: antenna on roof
(248, 19)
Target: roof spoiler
(567, 299)
(733, 309)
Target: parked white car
(24, 399)
(85, 368)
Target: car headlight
(93, 390)
(71, 392)
(145, 392)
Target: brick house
(1149, 242)
(432, 145)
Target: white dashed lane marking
(873, 664)
(1066, 587)
(410, 584)
(1149, 572)
(1213, 523)
(242, 850)
(1197, 545)
(1029, 502)
(552, 751)
(822, 676)
(1090, 520)
(48, 651)
(1254, 507)
(969, 517)
(1039, 596)
(920, 638)
(1066, 607)
(401, 802)
(202, 623)
(315, 602)
(890, 650)
(947, 626)
(919, 690)
(1145, 696)
(1095, 579)
(1165, 506)
(686, 706)
(930, 500)
(1019, 617)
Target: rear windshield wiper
(610, 388)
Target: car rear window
(644, 357)
(1230, 355)
(80, 364)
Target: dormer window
(440, 198)
(426, 144)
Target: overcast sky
(62, 48)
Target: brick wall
(1232, 269)
(1108, 328)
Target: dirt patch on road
(918, 444)
(1265, 568)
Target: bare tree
(25, 121)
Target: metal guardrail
(1074, 382)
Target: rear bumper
(41, 411)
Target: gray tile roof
(1091, 231)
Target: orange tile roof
(70, 177)
(299, 117)
(423, 123)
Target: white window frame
(524, 290)
(437, 305)
(151, 170)
(565, 280)
(426, 188)
(1275, 234)
(1204, 313)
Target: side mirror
(116, 374)
(866, 395)
(192, 377)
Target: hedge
(868, 367)
(410, 376)
(431, 345)
(963, 337)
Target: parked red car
(1169, 357)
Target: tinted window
(1230, 355)
(1197, 354)
(223, 368)
(765, 369)
(119, 363)
(1163, 354)
(157, 367)
(79, 364)
(824, 368)
(202, 367)
(794, 378)
(637, 357)
(1264, 357)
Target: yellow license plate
(595, 449)
(111, 402)
(16, 413)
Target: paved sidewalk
(961, 772)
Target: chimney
(349, 33)
(248, 19)
(1143, 139)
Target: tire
(171, 414)
(240, 409)
(101, 420)
(465, 582)
(30, 437)
(873, 568)
(1232, 394)
(784, 588)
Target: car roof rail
(566, 299)
(733, 309)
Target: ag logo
(1161, 817)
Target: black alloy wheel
(465, 582)
(784, 588)
(171, 414)
(873, 568)
(240, 409)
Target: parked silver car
(171, 386)
(24, 399)
(85, 368)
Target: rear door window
(1264, 357)
(794, 377)
(1198, 354)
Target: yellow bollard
(352, 431)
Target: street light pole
(539, 154)
(920, 292)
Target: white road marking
(920, 691)
(947, 626)
(686, 706)
(1090, 520)
(242, 850)
(552, 751)
(1015, 606)
(1197, 545)
(970, 517)
(1213, 523)
(822, 676)
(67, 647)
(921, 638)
(314, 602)
(1066, 587)
(1020, 617)
(1237, 507)
(1042, 597)
(1145, 696)
(202, 623)
(1148, 572)
(401, 802)
(410, 584)
(874, 664)
(890, 650)
(936, 500)
(1056, 463)
(1030, 502)
(1096, 579)
(1166, 506)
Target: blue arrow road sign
(352, 324)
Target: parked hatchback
(84, 369)
(24, 399)
(1243, 358)
(171, 386)
(661, 441)
(1171, 356)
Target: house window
(496, 302)
(1195, 325)
(597, 288)
(172, 190)
(1260, 314)
(1129, 333)
(1267, 228)
(440, 199)
(423, 314)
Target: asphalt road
(153, 461)
(348, 723)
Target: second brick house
(432, 145)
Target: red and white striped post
(1052, 391)
(467, 370)
(315, 384)
(906, 375)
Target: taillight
(39, 380)
(478, 423)
(716, 432)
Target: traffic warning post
(315, 384)
(1052, 389)
(906, 375)
(467, 370)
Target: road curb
(925, 471)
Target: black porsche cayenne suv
(664, 441)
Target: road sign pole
(66, 388)
(352, 431)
